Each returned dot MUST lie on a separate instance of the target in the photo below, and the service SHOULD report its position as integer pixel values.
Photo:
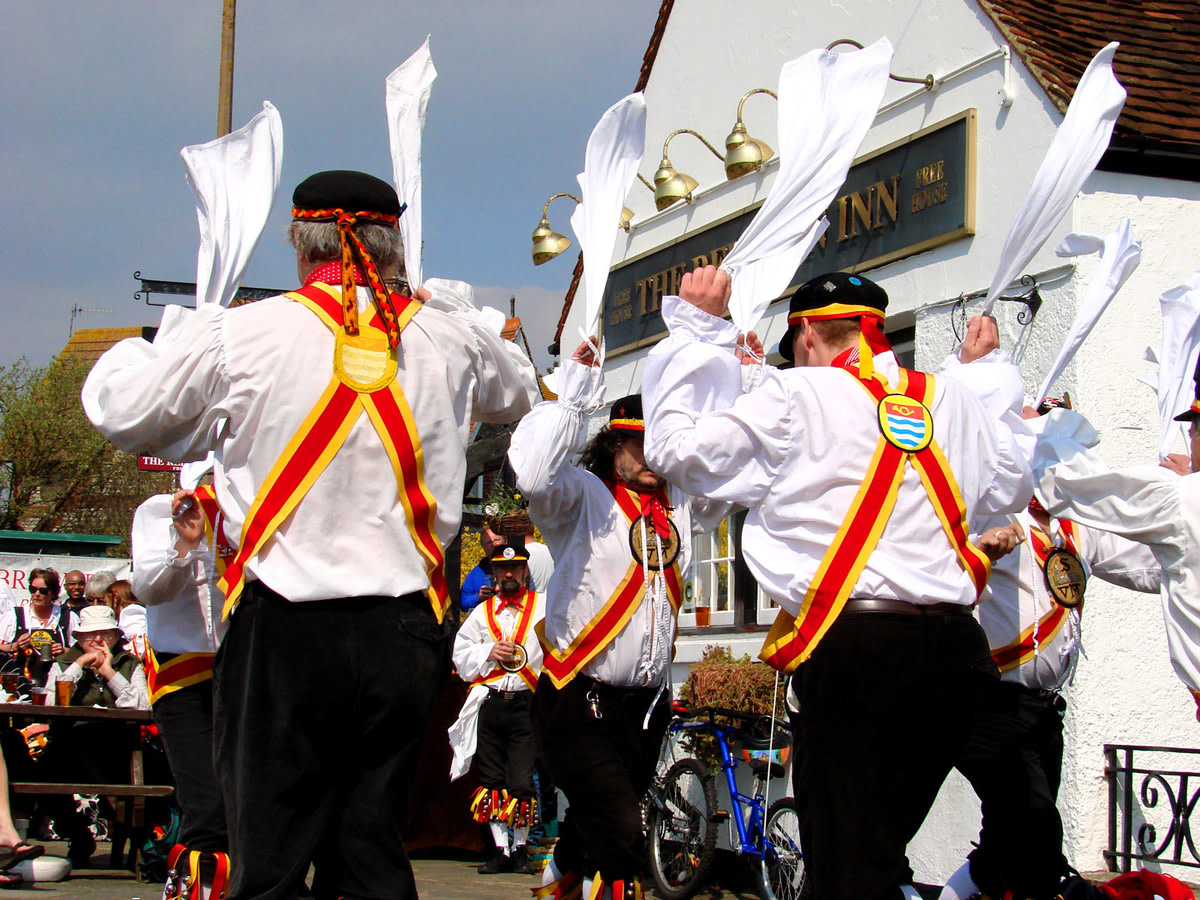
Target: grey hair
(319, 242)
(98, 584)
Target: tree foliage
(57, 473)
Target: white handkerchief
(1177, 359)
(614, 152)
(408, 88)
(1077, 146)
(234, 179)
(827, 102)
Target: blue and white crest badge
(905, 423)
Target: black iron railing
(1151, 797)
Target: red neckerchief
(331, 273)
(655, 511)
(847, 359)
(514, 600)
(1036, 506)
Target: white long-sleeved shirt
(474, 642)
(588, 535)
(130, 692)
(183, 602)
(795, 450)
(1016, 598)
(1147, 504)
(240, 382)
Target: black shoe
(80, 852)
(495, 864)
(520, 861)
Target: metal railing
(1150, 805)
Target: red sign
(154, 464)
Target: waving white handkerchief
(827, 102)
(1120, 252)
(408, 88)
(1177, 359)
(614, 152)
(1077, 146)
(234, 179)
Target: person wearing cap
(1031, 613)
(1151, 505)
(104, 674)
(861, 478)
(497, 652)
(621, 539)
(176, 564)
(339, 415)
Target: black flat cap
(346, 190)
(834, 295)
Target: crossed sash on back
(1024, 648)
(364, 381)
(606, 624)
(904, 415)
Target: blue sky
(99, 98)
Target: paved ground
(437, 879)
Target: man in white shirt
(1152, 505)
(620, 538)
(497, 652)
(859, 477)
(339, 415)
(175, 572)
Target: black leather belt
(863, 605)
(510, 696)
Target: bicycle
(682, 815)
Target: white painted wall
(1125, 690)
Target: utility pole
(225, 98)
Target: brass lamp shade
(670, 186)
(744, 154)
(547, 243)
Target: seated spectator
(38, 632)
(96, 590)
(131, 614)
(91, 750)
(104, 673)
(12, 849)
(74, 583)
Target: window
(711, 580)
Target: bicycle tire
(781, 870)
(683, 835)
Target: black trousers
(603, 766)
(320, 711)
(505, 749)
(887, 703)
(185, 723)
(1014, 762)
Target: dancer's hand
(999, 542)
(983, 336)
(707, 288)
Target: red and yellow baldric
(792, 639)
(363, 382)
(528, 603)
(185, 669)
(599, 632)
(1047, 628)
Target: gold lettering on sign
(622, 308)
(653, 288)
(932, 189)
(854, 208)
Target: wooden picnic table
(130, 822)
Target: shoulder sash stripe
(792, 639)
(317, 441)
(520, 633)
(178, 672)
(599, 632)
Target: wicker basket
(511, 524)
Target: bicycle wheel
(683, 837)
(781, 871)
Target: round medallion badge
(905, 423)
(1065, 578)
(517, 663)
(649, 555)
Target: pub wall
(1125, 690)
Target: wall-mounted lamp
(744, 154)
(548, 243)
(927, 80)
(670, 186)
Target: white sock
(909, 892)
(550, 874)
(499, 835)
(520, 836)
(959, 886)
(587, 887)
